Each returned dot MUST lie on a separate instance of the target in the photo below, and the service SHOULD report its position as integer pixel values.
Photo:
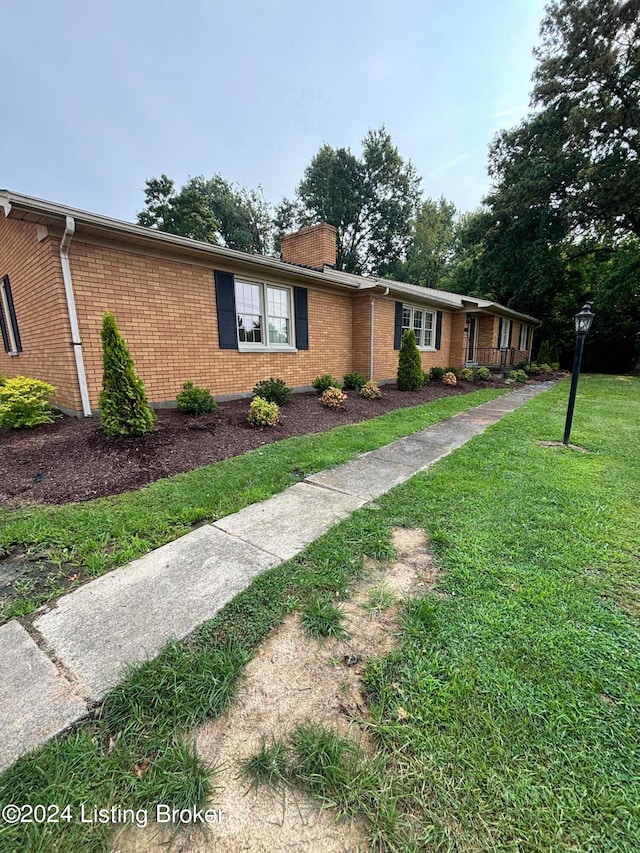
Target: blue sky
(95, 98)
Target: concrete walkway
(77, 650)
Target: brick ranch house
(221, 318)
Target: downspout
(76, 343)
(371, 336)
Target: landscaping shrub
(437, 373)
(517, 376)
(555, 365)
(532, 369)
(263, 413)
(449, 378)
(426, 377)
(483, 374)
(24, 402)
(124, 408)
(321, 383)
(544, 353)
(273, 390)
(193, 400)
(410, 375)
(370, 391)
(353, 381)
(467, 374)
(3, 379)
(545, 368)
(454, 370)
(333, 398)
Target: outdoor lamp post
(583, 321)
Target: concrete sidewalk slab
(36, 700)
(128, 615)
(285, 524)
(366, 477)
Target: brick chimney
(314, 246)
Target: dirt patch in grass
(294, 679)
(72, 460)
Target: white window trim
(266, 346)
(433, 313)
(505, 333)
(13, 345)
(524, 329)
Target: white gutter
(76, 343)
(371, 336)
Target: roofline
(38, 209)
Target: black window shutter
(301, 309)
(510, 332)
(499, 332)
(3, 329)
(438, 329)
(226, 305)
(10, 319)
(397, 332)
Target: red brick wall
(37, 288)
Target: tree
(431, 249)
(410, 374)
(124, 408)
(371, 201)
(211, 210)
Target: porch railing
(497, 357)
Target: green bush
(467, 374)
(273, 390)
(124, 408)
(263, 413)
(555, 365)
(24, 402)
(483, 374)
(426, 377)
(321, 383)
(410, 375)
(532, 369)
(545, 368)
(3, 379)
(353, 381)
(454, 370)
(333, 398)
(449, 378)
(195, 401)
(517, 376)
(437, 373)
(544, 353)
(370, 391)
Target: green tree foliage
(124, 409)
(212, 210)
(371, 200)
(430, 252)
(410, 375)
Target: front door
(472, 341)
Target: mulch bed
(72, 460)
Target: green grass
(96, 536)
(321, 618)
(518, 678)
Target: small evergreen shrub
(370, 391)
(554, 356)
(263, 413)
(321, 383)
(195, 401)
(454, 370)
(437, 373)
(467, 374)
(410, 375)
(426, 377)
(532, 369)
(3, 379)
(333, 398)
(544, 353)
(517, 376)
(555, 365)
(273, 390)
(124, 408)
(24, 402)
(353, 381)
(545, 368)
(449, 378)
(483, 374)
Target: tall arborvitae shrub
(124, 408)
(410, 375)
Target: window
(422, 322)
(263, 315)
(505, 334)
(8, 320)
(525, 331)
